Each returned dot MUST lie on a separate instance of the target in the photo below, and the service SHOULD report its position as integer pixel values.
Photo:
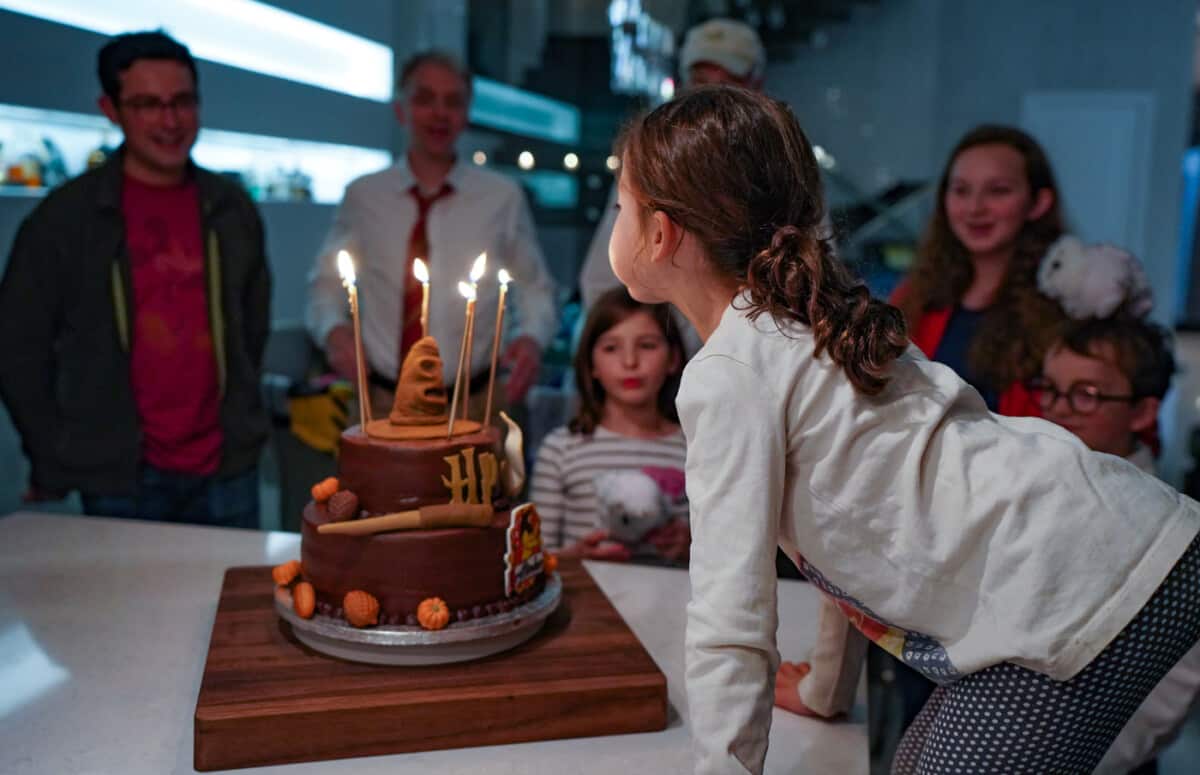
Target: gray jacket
(66, 310)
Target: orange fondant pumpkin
(304, 600)
(285, 574)
(433, 614)
(324, 489)
(550, 563)
(362, 609)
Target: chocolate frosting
(389, 476)
(463, 566)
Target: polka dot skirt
(1007, 719)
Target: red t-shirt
(173, 370)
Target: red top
(173, 371)
(1014, 401)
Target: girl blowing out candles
(1044, 587)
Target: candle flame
(504, 277)
(420, 271)
(479, 267)
(467, 290)
(345, 268)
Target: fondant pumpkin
(324, 489)
(285, 574)
(304, 600)
(432, 613)
(361, 608)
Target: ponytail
(798, 276)
(734, 169)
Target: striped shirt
(568, 463)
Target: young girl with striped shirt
(627, 371)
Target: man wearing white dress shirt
(433, 205)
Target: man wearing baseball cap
(716, 51)
(722, 51)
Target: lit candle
(477, 270)
(421, 272)
(468, 293)
(346, 270)
(505, 278)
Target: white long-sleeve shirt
(838, 654)
(486, 212)
(1157, 721)
(960, 539)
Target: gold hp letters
(462, 488)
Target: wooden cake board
(265, 698)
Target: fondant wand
(424, 518)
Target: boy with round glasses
(1104, 380)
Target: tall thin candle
(346, 270)
(477, 270)
(421, 272)
(469, 294)
(505, 278)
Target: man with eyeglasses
(134, 314)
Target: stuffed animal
(1094, 280)
(629, 504)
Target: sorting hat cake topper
(420, 394)
(420, 407)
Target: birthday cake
(420, 527)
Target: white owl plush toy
(1094, 280)
(630, 504)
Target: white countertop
(104, 625)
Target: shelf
(257, 158)
(23, 192)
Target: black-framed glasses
(147, 106)
(1081, 397)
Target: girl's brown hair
(1021, 322)
(733, 168)
(610, 309)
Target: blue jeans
(169, 496)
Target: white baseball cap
(731, 44)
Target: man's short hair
(119, 54)
(1142, 350)
(434, 57)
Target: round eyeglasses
(1081, 397)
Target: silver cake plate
(414, 646)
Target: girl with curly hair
(1045, 588)
(971, 300)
